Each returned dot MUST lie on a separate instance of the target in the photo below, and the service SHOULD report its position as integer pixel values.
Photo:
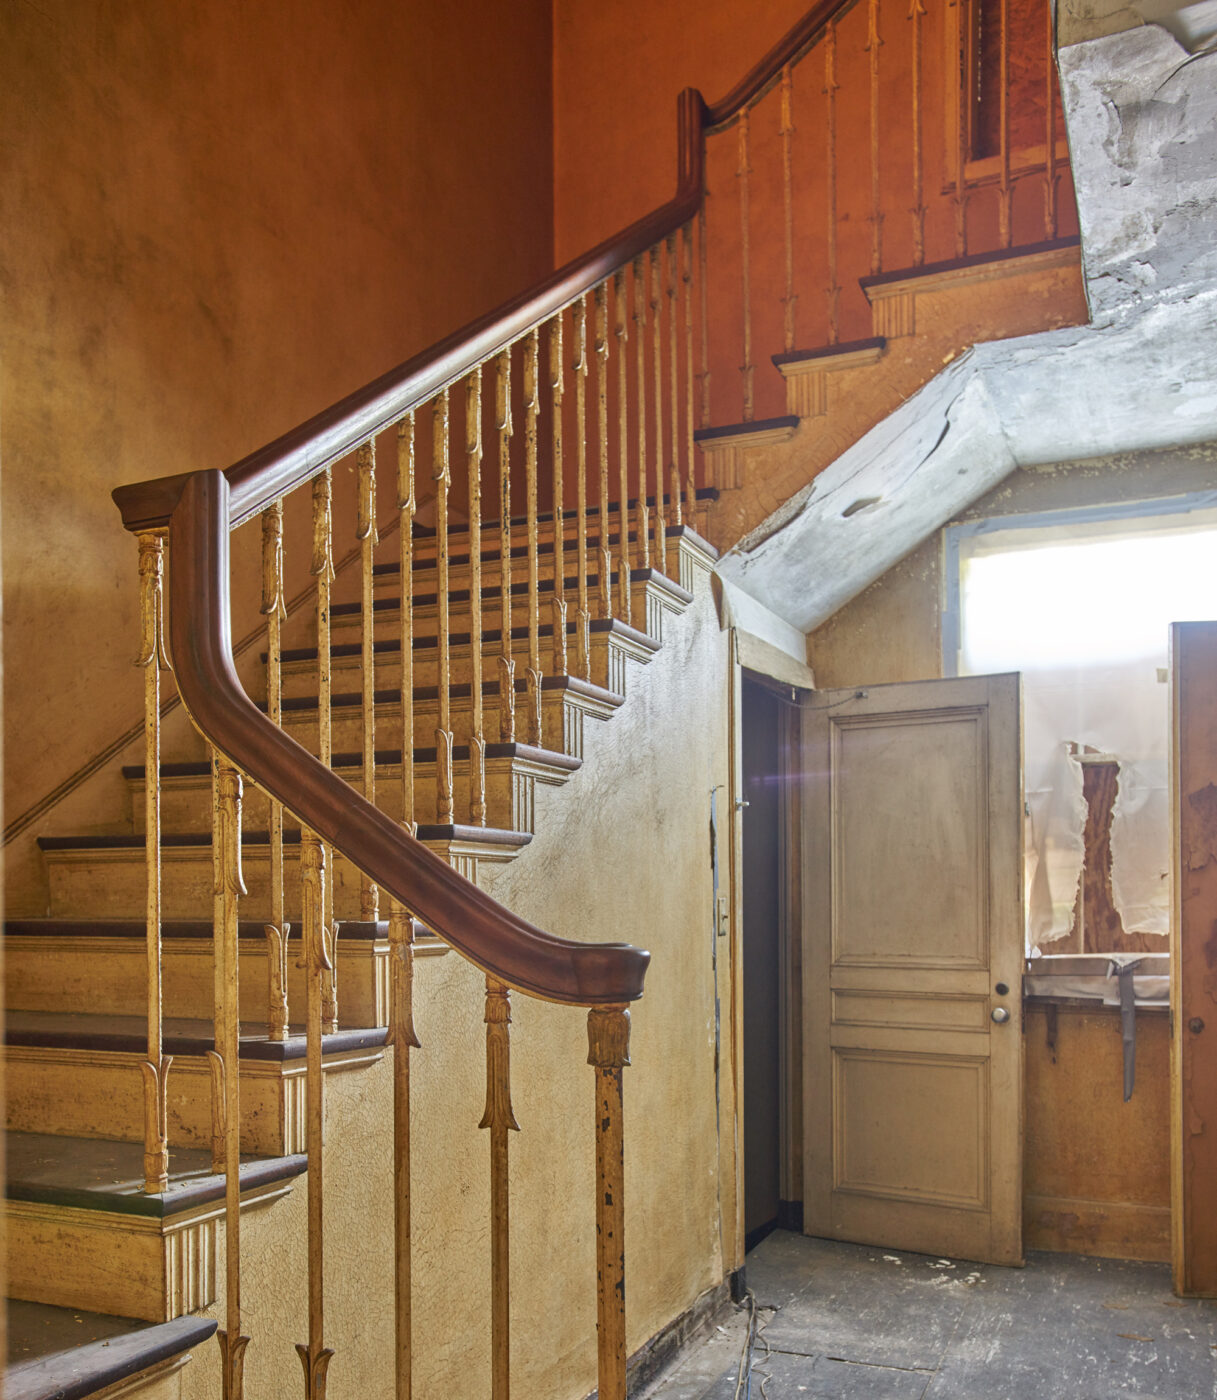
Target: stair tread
(461, 690)
(129, 841)
(101, 1174)
(358, 930)
(182, 1035)
(996, 255)
(597, 626)
(67, 1353)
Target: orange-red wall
(216, 220)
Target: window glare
(1077, 604)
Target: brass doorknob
(1000, 1015)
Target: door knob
(1195, 1025)
(1000, 1015)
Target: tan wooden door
(912, 967)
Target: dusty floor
(848, 1322)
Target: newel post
(608, 1035)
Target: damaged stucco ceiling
(1141, 375)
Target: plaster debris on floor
(850, 1322)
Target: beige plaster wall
(892, 630)
(215, 221)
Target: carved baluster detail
(314, 871)
(442, 474)
(743, 173)
(605, 564)
(1006, 190)
(916, 15)
(789, 300)
(406, 507)
(578, 364)
(960, 153)
(473, 459)
(278, 931)
(500, 1119)
(686, 277)
(229, 886)
(661, 527)
(507, 664)
(403, 1039)
(643, 515)
(322, 569)
(366, 533)
(873, 44)
(1050, 196)
(830, 195)
(625, 553)
(532, 409)
(673, 289)
(703, 294)
(608, 1034)
(151, 657)
(557, 387)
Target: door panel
(913, 915)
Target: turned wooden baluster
(532, 409)
(686, 277)
(473, 459)
(789, 299)
(643, 516)
(602, 375)
(833, 290)
(442, 474)
(315, 1355)
(401, 935)
(703, 297)
(873, 44)
(743, 173)
(963, 107)
(674, 491)
(365, 532)
(225, 1061)
(500, 1119)
(407, 505)
(608, 1034)
(625, 553)
(916, 15)
(278, 931)
(1005, 188)
(151, 657)
(322, 569)
(578, 365)
(507, 664)
(556, 387)
(1050, 198)
(661, 528)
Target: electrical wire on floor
(743, 1384)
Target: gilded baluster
(674, 489)
(315, 1356)
(278, 931)
(500, 1119)
(322, 569)
(830, 195)
(557, 387)
(1050, 197)
(507, 664)
(151, 657)
(602, 373)
(643, 515)
(702, 284)
(473, 459)
(686, 277)
(229, 887)
(608, 1034)
(661, 528)
(406, 507)
(442, 474)
(403, 1039)
(743, 173)
(873, 44)
(532, 409)
(789, 300)
(366, 534)
(960, 153)
(625, 553)
(578, 364)
(1006, 190)
(916, 15)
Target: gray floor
(848, 1322)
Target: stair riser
(346, 625)
(100, 1094)
(79, 975)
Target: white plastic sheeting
(1082, 607)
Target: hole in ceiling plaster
(863, 503)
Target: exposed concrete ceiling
(1142, 375)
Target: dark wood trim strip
(755, 425)
(824, 352)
